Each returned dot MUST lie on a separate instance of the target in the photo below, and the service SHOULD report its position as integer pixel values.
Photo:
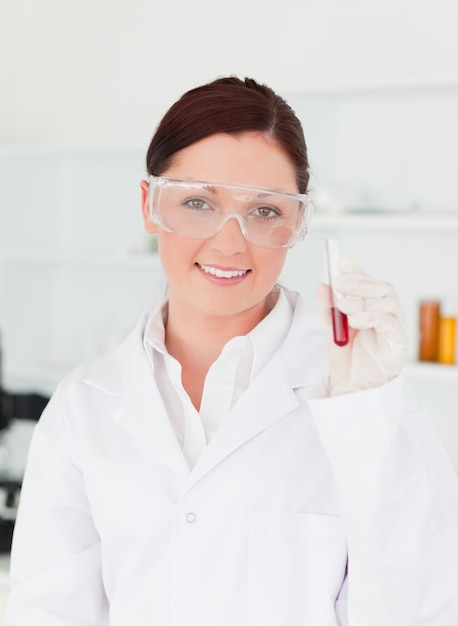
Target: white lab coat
(114, 528)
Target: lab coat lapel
(142, 414)
(269, 398)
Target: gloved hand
(377, 340)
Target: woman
(210, 472)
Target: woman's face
(192, 265)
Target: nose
(229, 238)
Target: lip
(223, 275)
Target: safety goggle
(194, 209)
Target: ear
(150, 226)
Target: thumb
(324, 297)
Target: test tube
(339, 319)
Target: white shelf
(440, 222)
(46, 376)
(447, 80)
(431, 372)
(114, 259)
(35, 378)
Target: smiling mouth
(222, 273)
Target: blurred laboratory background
(83, 86)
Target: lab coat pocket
(297, 564)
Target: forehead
(247, 159)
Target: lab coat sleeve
(399, 501)
(55, 564)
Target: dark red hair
(229, 105)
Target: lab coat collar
(268, 399)
(127, 373)
(140, 411)
(305, 349)
(299, 363)
(142, 414)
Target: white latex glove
(377, 347)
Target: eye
(197, 204)
(267, 212)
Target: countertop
(4, 569)
(4, 584)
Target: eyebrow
(213, 188)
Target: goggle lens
(195, 210)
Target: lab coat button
(191, 518)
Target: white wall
(101, 72)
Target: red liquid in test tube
(339, 319)
(339, 327)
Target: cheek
(176, 253)
(269, 262)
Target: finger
(353, 277)
(379, 322)
(359, 284)
(348, 265)
(388, 305)
(324, 297)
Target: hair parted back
(233, 106)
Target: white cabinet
(65, 307)
(75, 270)
(384, 168)
(418, 254)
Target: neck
(196, 341)
(200, 338)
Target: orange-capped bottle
(429, 330)
(447, 339)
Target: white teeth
(222, 273)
